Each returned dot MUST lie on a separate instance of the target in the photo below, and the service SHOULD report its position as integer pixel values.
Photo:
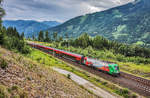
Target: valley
(75, 49)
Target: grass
(50, 61)
(134, 65)
(43, 58)
(5, 92)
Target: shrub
(26, 50)
(119, 57)
(3, 64)
(69, 76)
(104, 83)
(38, 59)
(3, 92)
(14, 87)
(72, 70)
(134, 96)
(125, 91)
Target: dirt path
(86, 84)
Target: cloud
(59, 10)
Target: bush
(125, 91)
(14, 87)
(26, 50)
(104, 83)
(134, 96)
(119, 57)
(39, 59)
(3, 64)
(3, 92)
(69, 76)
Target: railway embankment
(21, 77)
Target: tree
(15, 32)
(22, 35)
(98, 42)
(33, 37)
(47, 39)
(2, 34)
(2, 38)
(55, 36)
(2, 12)
(41, 36)
(60, 38)
(66, 35)
(84, 40)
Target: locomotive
(108, 67)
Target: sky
(55, 10)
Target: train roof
(70, 53)
(98, 63)
(66, 51)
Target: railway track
(125, 80)
(139, 79)
(134, 83)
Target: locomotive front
(114, 69)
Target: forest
(98, 43)
(10, 39)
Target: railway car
(108, 67)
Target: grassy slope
(126, 64)
(26, 78)
(48, 60)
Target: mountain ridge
(128, 23)
(29, 27)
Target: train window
(116, 68)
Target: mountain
(51, 23)
(29, 27)
(128, 23)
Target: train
(107, 67)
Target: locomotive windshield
(116, 68)
(97, 63)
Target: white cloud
(60, 10)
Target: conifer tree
(22, 35)
(2, 38)
(33, 37)
(2, 12)
(41, 36)
(66, 35)
(55, 36)
(47, 39)
(60, 38)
